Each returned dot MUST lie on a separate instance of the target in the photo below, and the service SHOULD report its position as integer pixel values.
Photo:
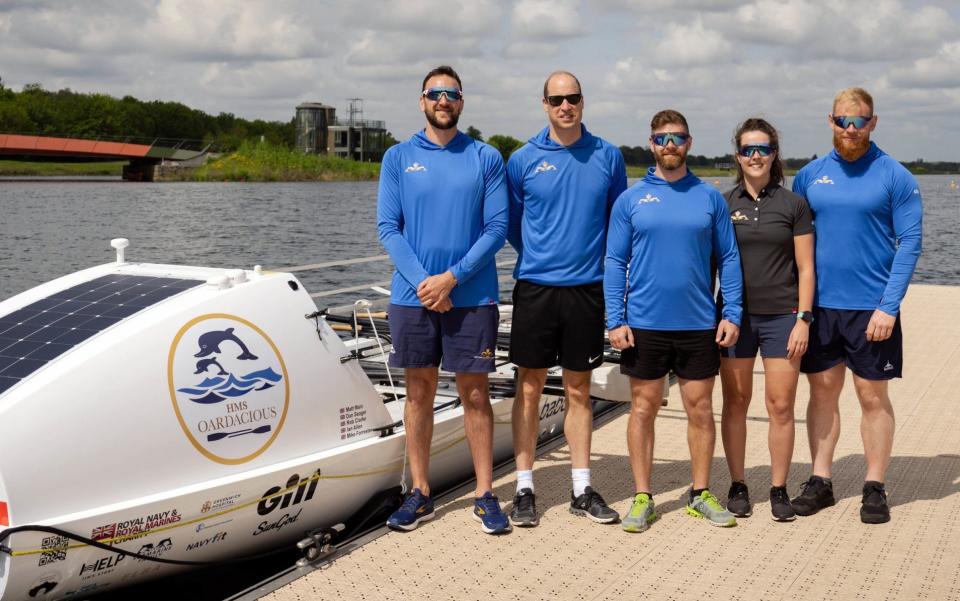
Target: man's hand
(881, 326)
(621, 338)
(727, 333)
(797, 343)
(434, 290)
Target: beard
(450, 123)
(851, 150)
(669, 162)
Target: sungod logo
(415, 167)
(296, 491)
(823, 180)
(648, 198)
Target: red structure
(15, 144)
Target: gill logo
(738, 216)
(544, 167)
(648, 198)
(823, 180)
(414, 168)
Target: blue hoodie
(560, 200)
(663, 236)
(443, 208)
(869, 218)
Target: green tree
(474, 133)
(505, 144)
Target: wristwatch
(806, 316)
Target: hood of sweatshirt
(421, 140)
(684, 183)
(543, 140)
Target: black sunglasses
(558, 99)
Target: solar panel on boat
(42, 331)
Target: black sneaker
(817, 494)
(524, 511)
(780, 505)
(738, 500)
(874, 509)
(592, 505)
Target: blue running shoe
(486, 510)
(416, 508)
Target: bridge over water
(145, 155)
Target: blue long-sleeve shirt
(443, 208)
(560, 201)
(661, 238)
(869, 219)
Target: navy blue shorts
(691, 354)
(767, 333)
(465, 338)
(840, 336)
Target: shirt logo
(415, 167)
(648, 198)
(544, 167)
(738, 216)
(916, 191)
(487, 353)
(823, 180)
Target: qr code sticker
(54, 549)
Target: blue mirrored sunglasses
(664, 139)
(858, 121)
(452, 94)
(765, 150)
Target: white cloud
(547, 19)
(692, 44)
(939, 71)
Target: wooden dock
(831, 555)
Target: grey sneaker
(524, 512)
(708, 507)
(590, 504)
(642, 513)
(738, 500)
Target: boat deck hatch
(42, 331)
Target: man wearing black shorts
(869, 215)
(661, 313)
(442, 216)
(562, 184)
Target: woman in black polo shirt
(775, 235)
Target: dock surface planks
(827, 556)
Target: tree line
(65, 112)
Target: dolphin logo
(203, 364)
(210, 343)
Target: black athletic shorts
(557, 325)
(692, 354)
(840, 336)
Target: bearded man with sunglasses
(868, 214)
(661, 314)
(442, 216)
(562, 184)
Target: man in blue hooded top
(442, 216)
(562, 184)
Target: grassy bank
(28, 169)
(263, 162)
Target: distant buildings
(320, 132)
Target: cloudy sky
(717, 61)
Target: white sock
(524, 479)
(581, 480)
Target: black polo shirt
(765, 228)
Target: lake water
(48, 229)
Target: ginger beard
(670, 157)
(851, 148)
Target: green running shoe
(707, 507)
(641, 514)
